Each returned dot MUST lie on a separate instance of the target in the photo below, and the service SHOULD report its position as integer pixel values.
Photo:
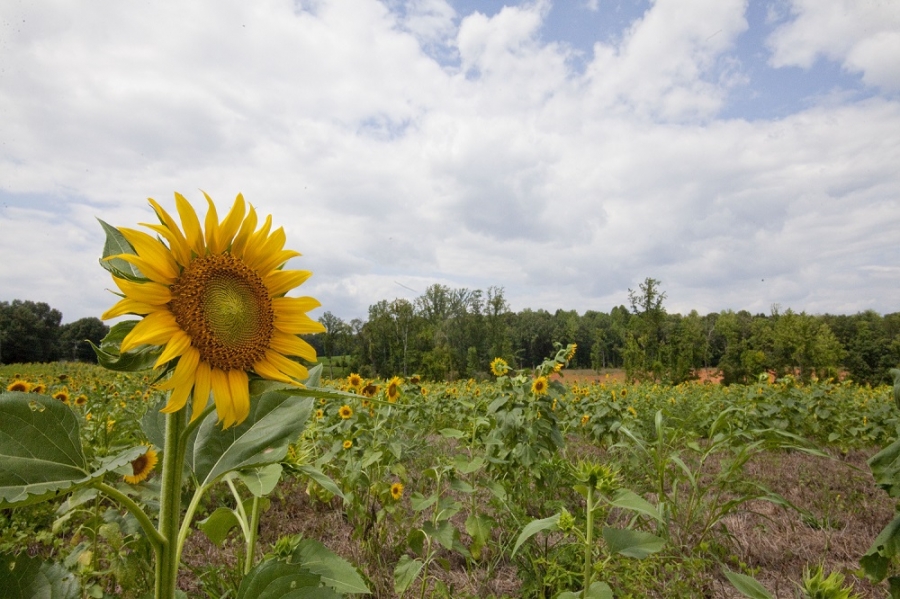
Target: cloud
(864, 36)
(403, 144)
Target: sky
(746, 154)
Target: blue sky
(744, 153)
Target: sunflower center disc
(224, 306)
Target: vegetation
(31, 332)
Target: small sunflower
(345, 411)
(571, 352)
(397, 491)
(499, 367)
(214, 298)
(584, 419)
(393, 389)
(633, 411)
(354, 381)
(370, 390)
(62, 395)
(19, 385)
(415, 379)
(141, 467)
(348, 444)
(320, 413)
(81, 400)
(39, 388)
(539, 386)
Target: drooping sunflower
(345, 412)
(214, 297)
(354, 381)
(393, 389)
(539, 386)
(19, 385)
(499, 367)
(141, 467)
(397, 491)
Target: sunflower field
(526, 485)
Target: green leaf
(335, 571)
(261, 481)
(40, 450)
(748, 586)
(630, 500)
(276, 418)
(108, 355)
(23, 577)
(534, 527)
(219, 524)
(444, 533)
(315, 375)
(278, 579)
(478, 526)
(884, 548)
(896, 374)
(405, 573)
(885, 467)
(632, 543)
(452, 433)
(321, 478)
(114, 245)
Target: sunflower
(320, 413)
(39, 388)
(214, 299)
(62, 395)
(397, 491)
(354, 381)
(393, 389)
(347, 444)
(19, 385)
(499, 367)
(370, 390)
(584, 419)
(539, 386)
(345, 412)
(141, 467)
(415, 379)
(81, 400)
(571, 353)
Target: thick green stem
(170, 506)
(156, 540)
(588, 541)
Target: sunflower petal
(243, 235)
(147, 293)
(182, 380)
(229, 227)
(155, 329)
(177, 345)
(128, 306)
(151, 250)
(292, 345)
(240, 395)
(190, 224)
(218, 380)
(201, 390)
(170, 230)
(211, 226)
(147, 268)
(279, 282)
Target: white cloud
(391, 170)
(862, 35)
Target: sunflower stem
(157, 541)
(170, 506)
(254, 529)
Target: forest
(447, 334)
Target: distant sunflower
(39, 388)
(571, 353)
(393, 389)
(499, 367)
(214, 297)
(62, 395)
(320, 413)
(354, 381)
(347, 444)
(81, 400)
(397, 491)
(19, 385)
(370, 390)
(141, 467)
(584, 419)
(539, 386)
(345, 412)
(415, 379)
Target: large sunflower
(214, 297)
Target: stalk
(588, 541)
(170, 506)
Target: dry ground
(847, 512)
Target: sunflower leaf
(40, 450)
(277, 579)
(276, 418)
(115, 245)
(108, 355)
(24, 577)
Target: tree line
(452, 333)
(31, 332)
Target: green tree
(74, 337)
(645, 337)
(30, 332)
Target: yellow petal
(287, 366)
(218, 380)
(155, 329)
(298, 325)
(172, 233)
(190, 224)
(240, 395)
(212, 227)
(182, 380)
(254, 244)
(148, 293)
(151, 250)
(177, 345)
(243, 236)
(291, 345)
(229, 227)
(147, 268)
(201, 390)
(267, 370)
(288, 306)
(128, 306)
(279, 282)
